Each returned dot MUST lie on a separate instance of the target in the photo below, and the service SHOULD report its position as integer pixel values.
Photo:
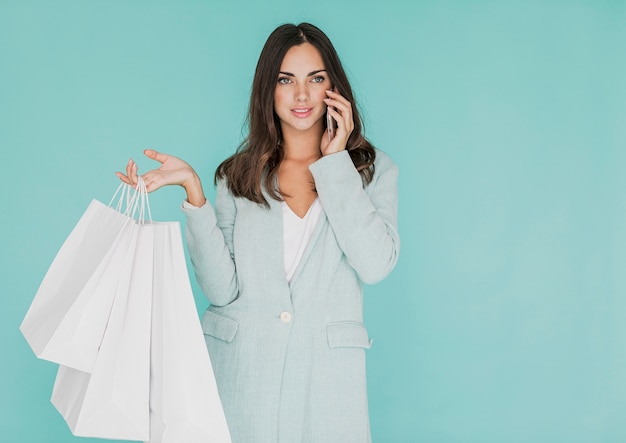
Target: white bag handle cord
(137, 202)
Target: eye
(283, 80)
(318, 79)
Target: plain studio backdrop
(504, 319)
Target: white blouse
(297, 233)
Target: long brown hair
(257, 159)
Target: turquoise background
(504, 319)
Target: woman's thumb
(154, 155)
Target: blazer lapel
(274, 234)
(321, 223)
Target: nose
(301, 93)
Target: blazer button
(285, 317)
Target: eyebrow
(289, 74)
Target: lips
(302, 112)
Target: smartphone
(330, 124)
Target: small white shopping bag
(184, 401)
(68, 315)
(113, 401)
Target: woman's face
(300, 90)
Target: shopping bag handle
(133, 201)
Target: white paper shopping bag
(113, 401)
(67, 317)
(184, 401)
(82, 258)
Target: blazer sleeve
(209, 236)
(364, 220)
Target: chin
(306, 125)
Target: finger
(344, 110)
(129, 171)
(154, 155)
(338, 97)
(340, 103)
(148, 183)
(135, 176)
(344, 120)
(122, 177)
(341, 135)
(151, 181)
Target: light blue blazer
(289, 358)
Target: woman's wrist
(195, 193)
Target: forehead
(302, 59)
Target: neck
(301, 145)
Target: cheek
(320, 93)
(281, 99)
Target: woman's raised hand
(340, 109)
(173, 171)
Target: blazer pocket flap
(219, 326)
(347, 334)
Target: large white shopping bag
(184, 401)
(113, 401)
(68, 315)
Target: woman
(305, 213)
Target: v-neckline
(308, 211)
